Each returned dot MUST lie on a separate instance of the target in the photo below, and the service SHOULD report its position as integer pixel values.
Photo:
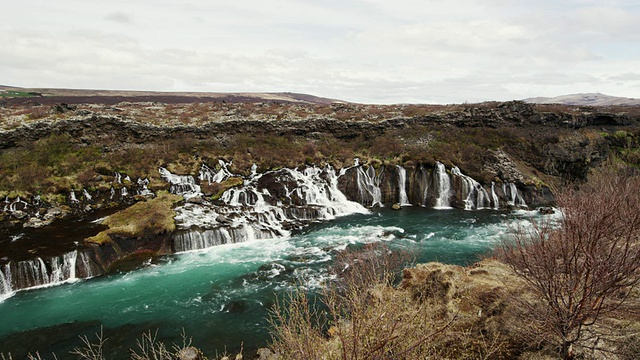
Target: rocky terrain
(587, 99)
(95, 182)
(90, 154)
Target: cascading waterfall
(267, 205)
(5, 282)
(511, 194)
(494, 196)
(251, 212)
(369, 185)
(86, 265)
(37, 273)
(143, 187)
(72, 197)
(402, 186)
(443, 187)
(476, 197)
(180, 184)
(212, 176)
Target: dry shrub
(583, 273)
(363, 316)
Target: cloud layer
(359, 50)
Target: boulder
(189, 353)
(546, 210)
(19, 214)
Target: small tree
(584, 270)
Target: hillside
(48, 96)
(586, 99)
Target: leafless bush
(91, 350)
(585, 270)
(149, 348)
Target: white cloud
(359, 50)
(119, 17)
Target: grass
(13, 93)
(147, 218)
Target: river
(221, 296)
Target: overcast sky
(373, 51)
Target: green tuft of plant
(147, 218)
(218, 189)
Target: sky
(369, 51)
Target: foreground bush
(437, 311)
(583, 273)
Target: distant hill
(591, 99)
(78, 96)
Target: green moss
(226, 185)
(148, 218)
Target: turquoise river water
(221, 296)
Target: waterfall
(37, 272)
(5, 283)
(86, 266)
(118, 178)
(212, 176)
(63, 268)
(201, 239)
(402, 186)
(251, 212)
(443, 187)
(494, 196)
(476, 197)
(511, 194)
(72, 196)
(143, 187)
(86, 195)
(180, 184)
(369, 185)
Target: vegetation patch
(217, 189)
(13, 94)
(152, 217)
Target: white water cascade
(442, 187)
(37, 273)
(494, 196)
(252, 212)
(143, 188)
(402, 186)
(212, 176)
(476, 197)
(511, 194)
(180, 184)
(369, 185)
